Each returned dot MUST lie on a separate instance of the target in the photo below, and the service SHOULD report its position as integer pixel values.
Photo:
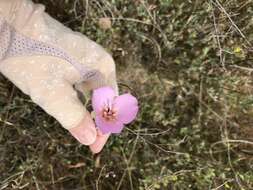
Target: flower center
(109, 114)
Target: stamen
(108, 113)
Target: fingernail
(88, 136)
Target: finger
(60, 100)
(98, 145)
(85, 132)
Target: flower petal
(102, 96)
(108, 127)
(127, 108)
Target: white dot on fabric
(23, 73)
(16, 44)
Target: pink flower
(112, 111)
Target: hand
(48, 79)
(85, 133)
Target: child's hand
(85, 132)
(49, 77)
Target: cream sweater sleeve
(49, 77)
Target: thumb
(63, 104)
(85, 132)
